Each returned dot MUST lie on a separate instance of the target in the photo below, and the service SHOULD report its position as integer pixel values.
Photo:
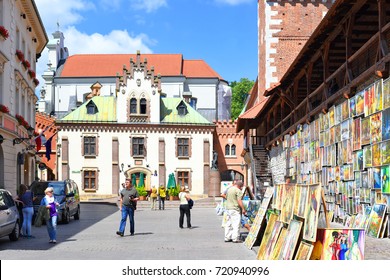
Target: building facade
(22, 39)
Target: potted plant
(4, 32)
(31, 73)
(36, 82)
(141, 192)
(174, 193)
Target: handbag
(190, 203)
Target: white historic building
(22, 39)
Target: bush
(141, 191)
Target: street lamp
(30, 132)
(122, 166)
(242, 166)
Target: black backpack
(190, 203)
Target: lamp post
(18, 140)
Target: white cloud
(148, 5)
(234, 2)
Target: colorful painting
(385, 175)
(278, 197)
(386, 124)
(376, 154)
(369, 102)
(367, 156)
(365, 137)
(291, 240)
(376, 177)
(304, 251)
(331, 116)
(345, 130)
(279, 244)
(311, 213)
(358, 160)
(359, 103)
(265, 254)
(258, 222)
(251, 207)
(386, 94)
(339, 244)
(344, 110)
(385, 152)
(376, 127)
(352, 106)
(271, 224)
(356, 130)
(378, 96)
(300, 200)
(286, 213)
(375, 220)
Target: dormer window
(182, 109)
(133, 106)
(143, 106)
(91, 108)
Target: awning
(249, 115)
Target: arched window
(143, 106)
(227, 150)
(133, 106)
(233, 150)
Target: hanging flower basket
(36, 82)
(4, 108)
(26, 64)
(4, 32)
(31, 73)
(21, 120)
(20, 55)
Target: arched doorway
(137, 172)
(230, 175)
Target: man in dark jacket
(127, 205)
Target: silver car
(9, 216)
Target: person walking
(184, 208)
(127, 206)
(49, 202)
(153, 197)
(27, 198)
(162, 193)
(233, 215)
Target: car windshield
(39, 188)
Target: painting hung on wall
(331, 115)
(385, 152)
(356, 130)
(376, 127)
(339, 244)
(345, 130)
(344, 110)
(378, 96)
(386, 124)
(376, 176)
(386, 94)
(369, 102)
(352, 106)
(365, 131)
(376, 155)
(291, 240)
(367, 156)
(385, 176)
(311, 213)
(286, 212)
(358, 160)
(359, 103)
(377, 214)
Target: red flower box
(4, 108)
(26, 64)
(4, 32)
(36, 82)
(20, 55)
(31, 73)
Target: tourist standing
(162, 193)
(49, 202)
(127, 205)
(153, 197)
(27, 198)
(184, 208)
(234, 209)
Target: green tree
(240, 91)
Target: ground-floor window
(89, 179)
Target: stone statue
(214, 163)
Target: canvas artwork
(257, 223)
(286, 213)
(344, 110)
(358, 180)
(376, 154)
(376, 127)
(291, 240)
(365, 137)
(339, 244)
(386, 94)
(304, 191)
(358, 160)
(251, 207)
(385, 175)
(385, 152)
(376, 177)
(331, 115)
(369, 102)
(271, 224)
(311, 213)
(375, 220)
(345, 130)
(367, 156)
(278, 196)
(378, 96)
(266, 253)
(352, 106)
(337, 115)
(359, 103)
(386, 124)
(356, 134)
(279, 244)
(304, 251)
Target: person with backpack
(162, 193)
(184, 207)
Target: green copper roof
(106, 111)
(169, 113)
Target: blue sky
(221, 32)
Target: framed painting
(267, 234)
(376, 154)
(291, 240)
(386, 94)
(265, 252)
(377, 214)
(385, 176)
(369, 102)
(259, 219)
(304, 251)
(339, 244)
(345, 130)
(367, 157)
(385, 152)
(386, 124)
(376, 127)
(365, 137)
(356, 131)
(344, 110)
(300, 200)
(378, 96)
(359, 103)
(311, 213)
(358, 160)
(286, 212)
(376, 177)
(337, 114)
(279, 243)
(331, 116)
(352, 106)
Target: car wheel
(77, 215)
(66, 217)
(14, 235)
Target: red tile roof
(250, 114)
(108, 65)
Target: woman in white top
(184, 208)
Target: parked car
(9, 216)
(66, 194)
